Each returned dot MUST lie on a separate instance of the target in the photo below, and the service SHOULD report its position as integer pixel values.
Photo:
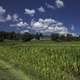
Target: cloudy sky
(46, 16)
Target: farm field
(39, 60)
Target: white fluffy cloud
(45, 26)
(2, 10)
(59, 3)
(15, 17)
(24, 24)
(2, 13)
(72, 27)
(50, 6)
(9, 17)
(30, 12)
(20, 24)
(49, 26)
(41, 9)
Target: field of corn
(40, 60)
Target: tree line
(15, 36)
(38, 36)
(68, 37)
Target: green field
(39, 60)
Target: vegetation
(68, 37)
(27, 36)
(38, 36)
(55, 59)
(39, 60)
(15, 36)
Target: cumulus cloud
(72, 27)
(15, 17)
(59, 3)
(50, 6)
(45, 26)
(2, 13)
(30, 12)
(24, 24)
(41, 9)
(2, 10)
(5, 18)
(9, 17)
(20, 24)
(49, 26)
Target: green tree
(55, 36)
(27, 36)
(37, 36)
(2, 36)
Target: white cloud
(9, 17)
(75, 35)
(50, 6)
(22, 24)
(41, 9)
(49, 26)
(5, 18)
(15, 17)
(30, 12)
(19, 24)
(59, 3)
(72, 27)
(2, 13)
(41, 24)
(2, 10)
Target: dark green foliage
(68, 37)
(2, 36)
(27, 36)
(37, 36)
(15, 36)
(55, 37)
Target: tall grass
(44, 61)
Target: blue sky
(40, 15)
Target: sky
(45, 16)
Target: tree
(2, 36)
(37, 36)
(27, 36)
(69, 37)
(55, 36)
(62, 38)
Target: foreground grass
(7, 72)
(40, 60)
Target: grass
(7, 72)
(40, 60)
